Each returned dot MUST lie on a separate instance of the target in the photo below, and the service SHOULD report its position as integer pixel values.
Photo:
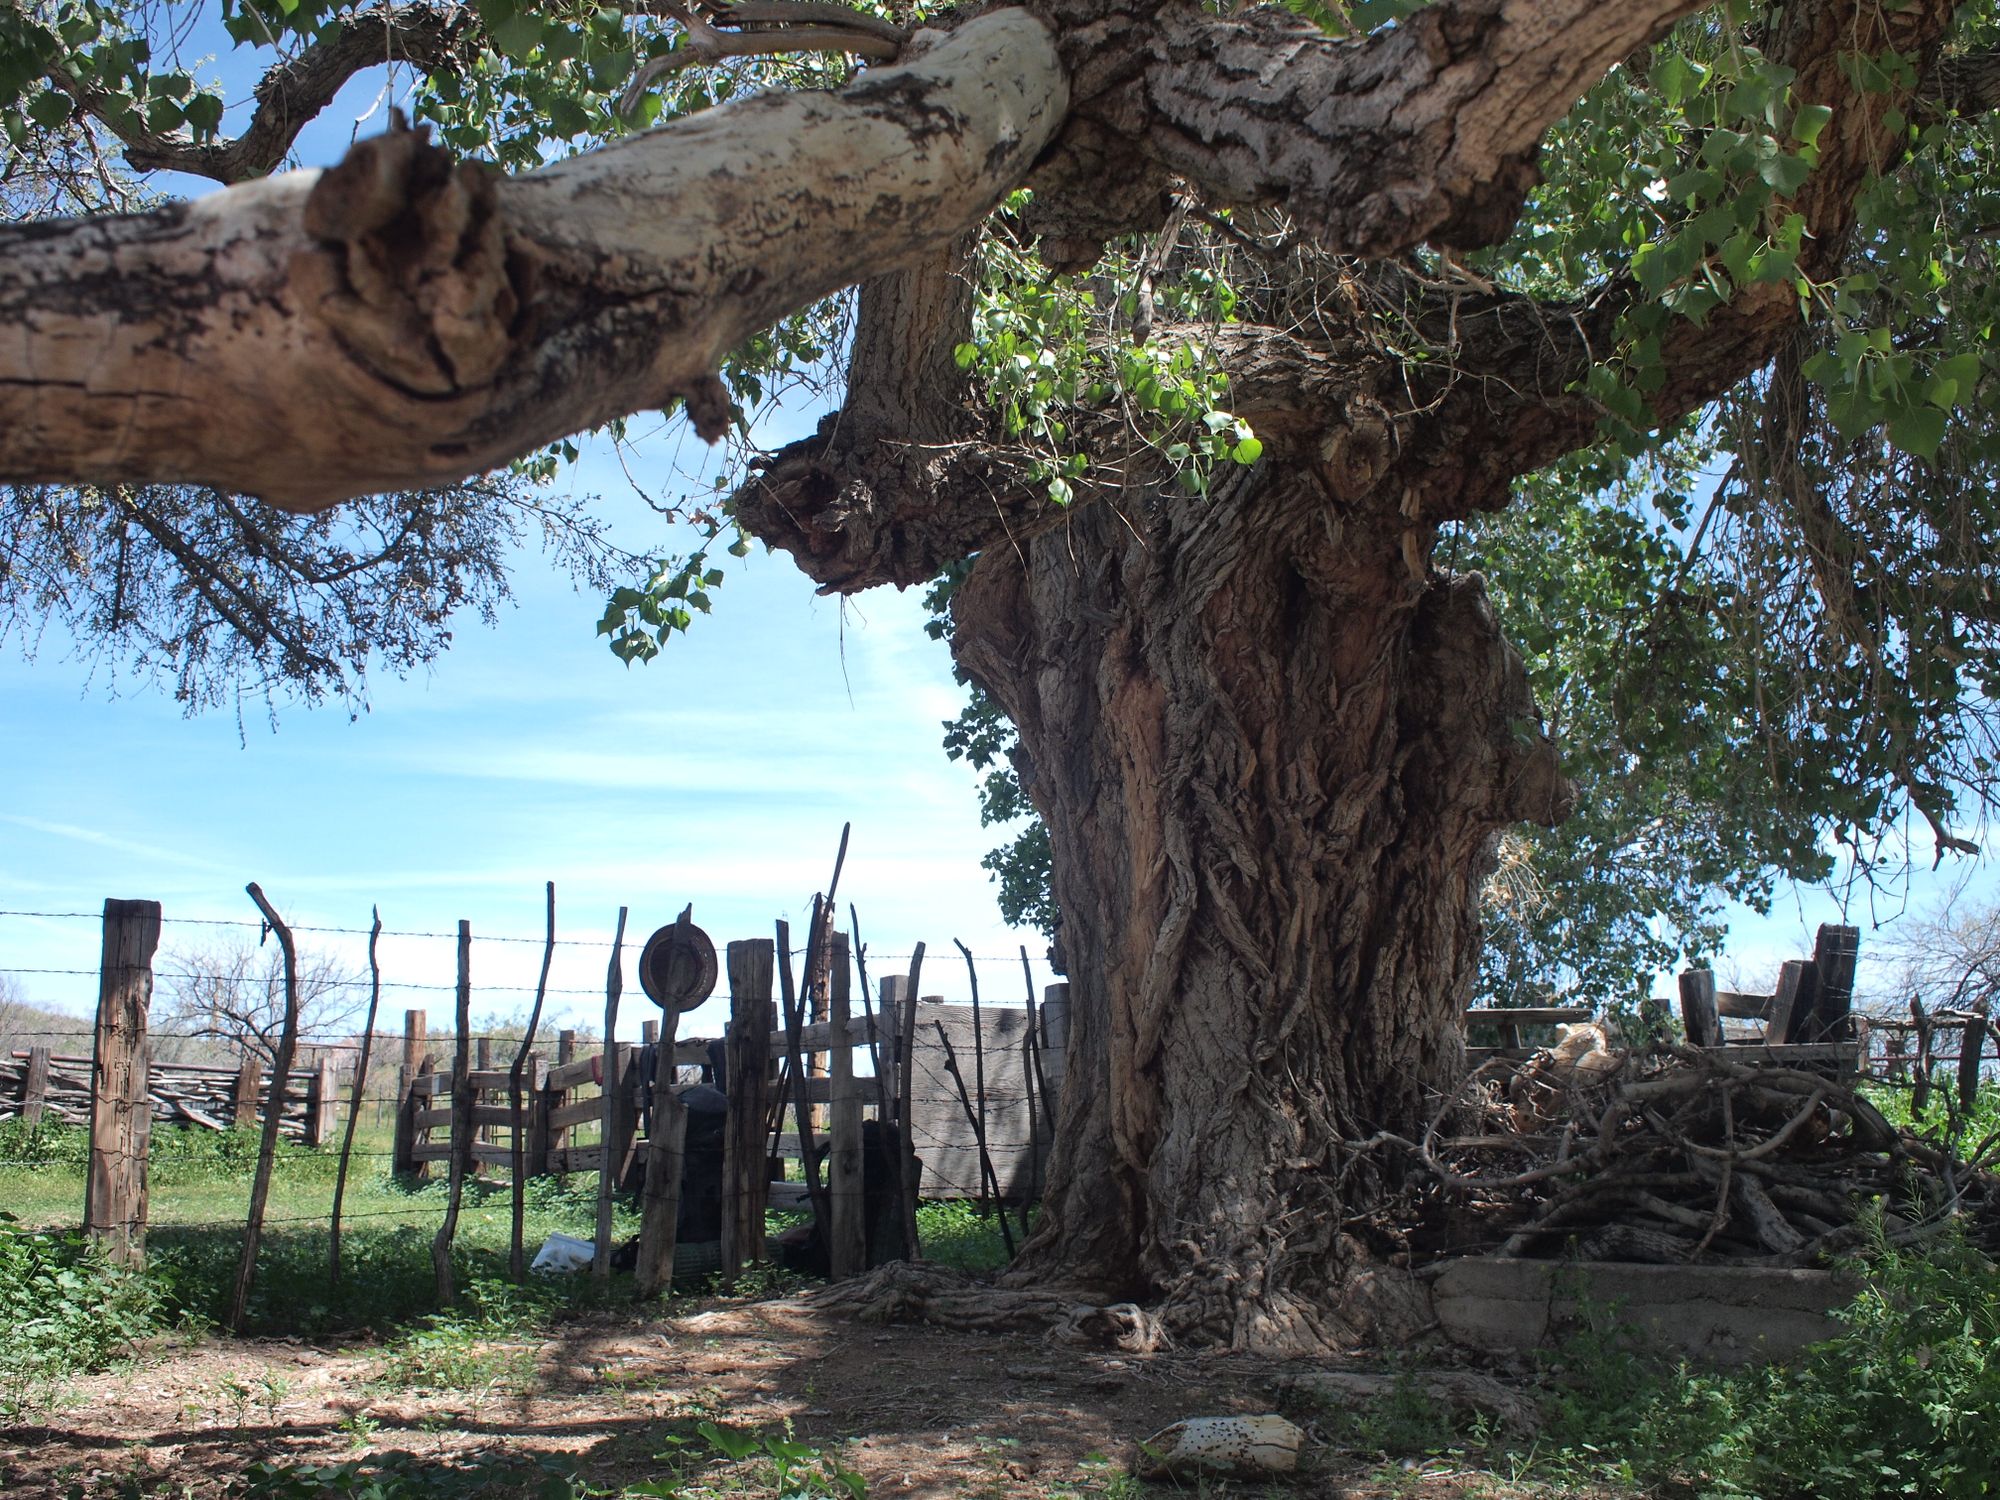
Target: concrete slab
(1720, 1315)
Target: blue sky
(720, 774)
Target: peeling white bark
(398, 322)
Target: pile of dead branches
(1672, 1154)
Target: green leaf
(1918, 430)
(1248, 451)
(1809, 122)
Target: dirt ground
(917, 1411)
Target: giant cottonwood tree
(1222, 406)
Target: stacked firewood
(1672, 1154)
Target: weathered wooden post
(35, 1086)
(558, 1135)
(247, 1097)
(847, 1238)
(415, 1024)
(666, 1140)
(121, 1114)
(482, 1060)
(747, 1067)
(1698, 1012)
(322, 1098)
(461, 1121)
(1972, 1043)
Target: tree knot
(412, 269)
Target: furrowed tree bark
(1272, 758)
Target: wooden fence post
(35, 1086)
(322, 1100)
(121, 1114)
(1698, 1012)
(558, 1136)
(847, 1237)
(747, 1062)
(415, 1024)
(482, 1059)
(247, 1101)
(1972, 1042)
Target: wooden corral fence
(853, 1077)
(37, 1084)
(1808, 1017)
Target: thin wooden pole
(905, 1082)
(274, 1114)
(360, 1083)
(614, 986)
(121, 1111)
(979, 1074)
(461, 1121)
(517, 1254)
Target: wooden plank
(322, 1098)
(820, 1035)
(1791, 1054)
(1972, 1043)
(1528, 1015)
(1698, 1015)
(1796, 979)
(584, 1112)
(498, 1156)
(794, 1197)
(121, 1114)
(584, 1070)
(1739, 1005)
(746, 1075)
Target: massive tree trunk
(1272, 750)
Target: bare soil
(917, 1411)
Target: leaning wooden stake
(614, 986)
(121, 1111)
(274, 1114)
(801, 1096)
(517, 1254)
(979, 1077)
(461, 1122)
(354, 1103)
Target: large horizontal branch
(1424, 131)
(398, 321)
